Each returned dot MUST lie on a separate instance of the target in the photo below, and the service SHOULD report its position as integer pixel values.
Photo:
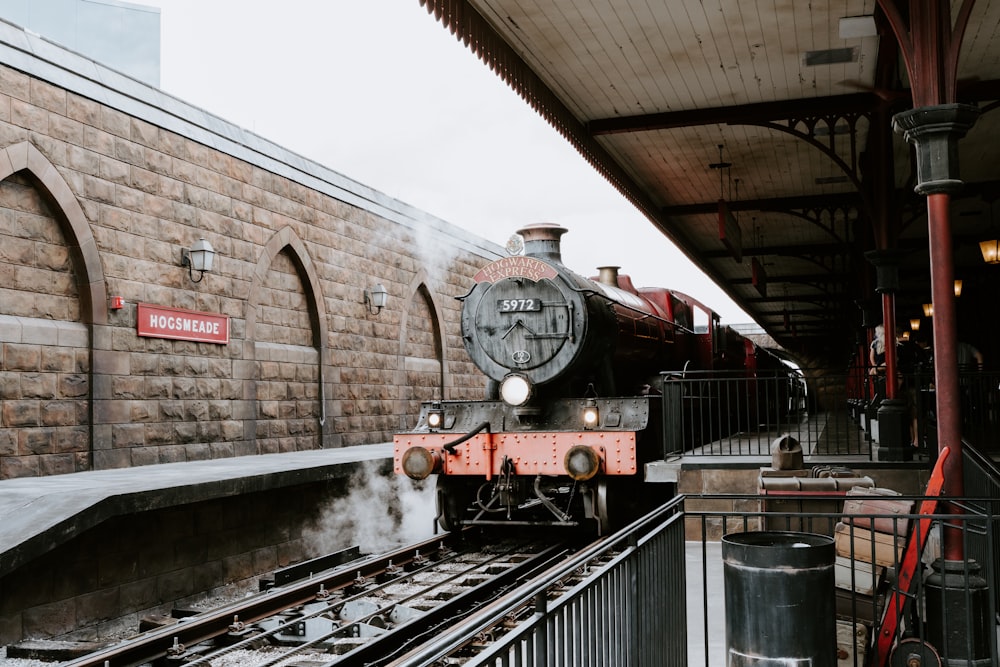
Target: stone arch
(289, 360)
(80, 402)
(23, 156)
(423, 367)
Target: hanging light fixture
(915, 324)
(990, 250)
(958, 288)
(928, 310)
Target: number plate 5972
(518, 305)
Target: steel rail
(156, 644)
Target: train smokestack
(608, 275)
(541, 240)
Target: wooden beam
(746, 113)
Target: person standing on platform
(909, 363)
(876, 356)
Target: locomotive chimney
(541, 240)
(608, 275)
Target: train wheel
(453, 499)
(914, 653)
(620, 501)
(602, 505)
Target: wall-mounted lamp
(928, 310)
(958, 288)
(375, 298)
(198, 258)
(906, 335)
(915, 324)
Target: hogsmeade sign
(180, 324)
(515, 267)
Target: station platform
(40, 513)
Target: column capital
(934, 132)
(886, 264)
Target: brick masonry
(96, 203)
(102, 582)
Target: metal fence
(950, 608)
(979, 399)
(711, 414)
(981, 479)
(623, 612)
(715, 414)
(653, 594)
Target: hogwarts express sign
(180, 324)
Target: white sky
(379, 91)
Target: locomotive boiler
(572, 411)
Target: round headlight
(582, 463)
(515, 390)
(419, 462)
(435, 419)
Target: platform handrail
(631, 560)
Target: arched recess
(286, 385)
(23, 156)
(423, 367)
(61, 418)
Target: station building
(115, 353)
(121, 350)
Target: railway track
(367, 613)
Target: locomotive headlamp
(419, 462)
(435, 416)
(581, 463)
(591, 413)
(515, 390)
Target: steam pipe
(450, 447)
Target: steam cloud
(378, 512)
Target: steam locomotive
(573, 410)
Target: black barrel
(779, 599)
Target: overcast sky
(380, 92)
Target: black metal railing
(979, 400)
(981, 479)
(613, 603)
(950, 607)
(654, 593)
(710, 413)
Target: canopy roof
(781, 109)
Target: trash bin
(779, 590)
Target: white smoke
(378, 513)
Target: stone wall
(99, 585)
(97, 203)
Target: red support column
(930, 36)
(949, 421)
(889, 324)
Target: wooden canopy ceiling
(782, 109)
